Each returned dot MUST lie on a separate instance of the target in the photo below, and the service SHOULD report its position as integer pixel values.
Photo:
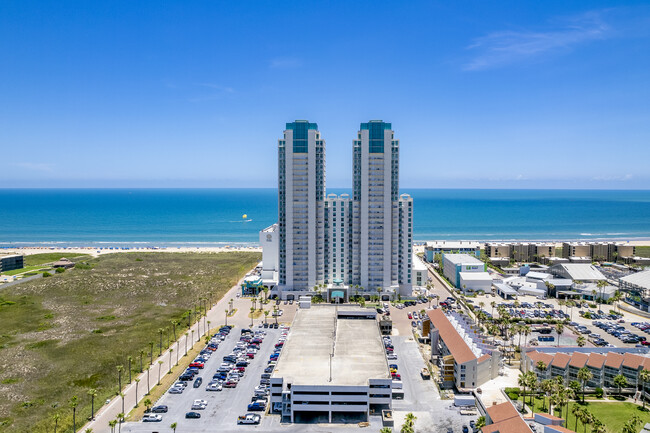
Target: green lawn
(63, 335)
(613, 415)
(40, 259)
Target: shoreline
(129, 247)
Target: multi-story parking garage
(333, 367)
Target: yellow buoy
(244, 216)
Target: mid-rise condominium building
(362, 242)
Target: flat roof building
(456, 264)
(333, 365)
(584, 272)
(447, 247)
(10, 262)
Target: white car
(249, 418)
(152, 417)
(214, 387)
(199, 401)
(196, 406)
(391, 356)
(176, 390)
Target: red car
(242, 369)
(396, 376)
(410, 316)
(230, 384)
(198, 364)
(250, 355)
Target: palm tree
(266, 314)
(546, 386)
(601, 284)
(385, 430)
(141, 353)
(137, 381)
(147, 404)
(576, 411)
(56, 421)
(275, 313)
(159, 365)
(112, 423)
(560, 329)
(88, 430)
(148, 383)
(616, 298)
(644, 377)
(122, 396)
(531, 381)
(581, 341)
(74, 402)
(598, 427)
(584, 376)
(170, 361)
(480, 422)
(522, 381)
(92, 393)
(120, 420)
(586, 418)
(119, 377)
(173, 426)
(621, 382)
(187, 335)
(151, 343)
(493, 304)
(174, 323)
(226, 310)
(252, 312)
(160, 332)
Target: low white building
(419, 272)
(455, 264)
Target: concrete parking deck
(317, 338)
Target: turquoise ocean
(214, 217)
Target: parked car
(214, 386)
(249, 418)
(197, 382)
(192, 415)
(257, 406)
(160, 409)
(151, 418)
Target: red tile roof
(578, 359)
(633, 361)
(501, 412)
(483, 358)
(561, 360)
(536, 356)
(614, 360)
(457, 346)
(596, 360)
(512, 425)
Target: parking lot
(223, 407)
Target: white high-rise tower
(301, 194)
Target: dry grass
(63, 335)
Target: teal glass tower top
(376, 130)
(300, 137)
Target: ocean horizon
(212, 217)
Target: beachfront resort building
(519, 251)
(346, 245)
(10, 262)
(601, 251)
(433, 248)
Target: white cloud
(507, 47)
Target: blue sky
(510, 94)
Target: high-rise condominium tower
(301, 194)
(382, 220)
(361, 243)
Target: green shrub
(46, 274)
(513, 396)
(60, 270)
(514, 390)
(599, 392)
